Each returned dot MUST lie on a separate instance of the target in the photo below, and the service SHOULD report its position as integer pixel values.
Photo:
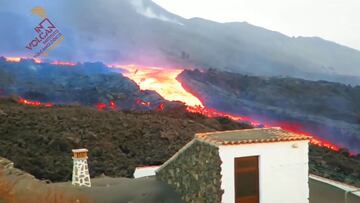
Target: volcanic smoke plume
(141, 32)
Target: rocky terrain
(328, 110)
(39, 140)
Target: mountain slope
(324, 109)
(139, 31)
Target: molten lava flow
(34, 103)
(323, 143)
(299, 129)
(212, 113)
(163, 81)
(291, 127)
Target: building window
(247, 179)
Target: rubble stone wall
(194, 172)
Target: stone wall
(194, 172)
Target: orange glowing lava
(101, 106)
(291, 127)
(164, 82)
(161, 80)
(212, 113)
(63, 63)
(142, 102)
(13, 59)
(34, 103)
(18, 59)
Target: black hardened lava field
(39, 140)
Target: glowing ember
(163, 81)
(63, 63)
(161, 107)
(34, 103)
(18, 59)
(112, 105)
(13, 59)
(101, 106)
(141, 102)
(36, 60)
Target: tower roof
(249, 136)
(79, 150)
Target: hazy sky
(335, 20)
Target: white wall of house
(283, 170)
(145, 171)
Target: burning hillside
(150, 80)
(164, 81)
(96, 85)
(326, 111)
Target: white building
(243, 166)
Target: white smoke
(147, 11)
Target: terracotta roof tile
(248, 136)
